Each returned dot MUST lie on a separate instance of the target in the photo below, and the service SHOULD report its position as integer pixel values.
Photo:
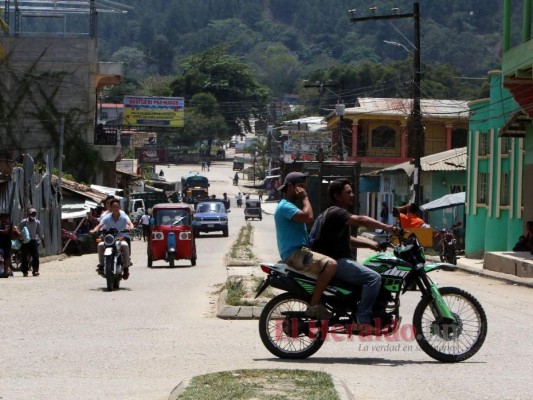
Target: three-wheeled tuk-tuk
(171, 235)
(252, 209)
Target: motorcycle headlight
(185, 236)
(109, 240)
(158, 235)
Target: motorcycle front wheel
(287, 337)
(450, 342)
(110, 276)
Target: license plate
(210, 226)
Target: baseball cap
(294, 178)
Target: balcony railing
(104, 135)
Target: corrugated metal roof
(449, 160)
(456, 109)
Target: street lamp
(416, 112)
(396, 44)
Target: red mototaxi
(171, 235)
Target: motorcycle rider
(336, 242)
(118, 220)
(292, 240)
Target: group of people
(30, 233)
(206, 164)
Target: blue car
(210, 216)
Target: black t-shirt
(5, 238)
(335, 234)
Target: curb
(342, 389)
(225, 311)
(177, 391)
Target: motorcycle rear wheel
(273, 333)
(451, 342)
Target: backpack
(314, 235)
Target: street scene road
(64, 336)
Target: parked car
(210, 216)
(252, 209)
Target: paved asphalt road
(64, 337)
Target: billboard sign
(151, 155)
(308, 146)
(154, 111)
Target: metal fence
(29, 188)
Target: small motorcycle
(449, 324)
(447, 243)
(113, 260)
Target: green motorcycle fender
(436, 266)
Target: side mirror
(457, 223)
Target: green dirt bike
(449, 324)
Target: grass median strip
(261, 384)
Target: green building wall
(491, 227)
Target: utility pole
(416, 112)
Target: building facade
(500, 149)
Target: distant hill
(303, 35)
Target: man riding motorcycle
(335, 241)
(118, 220)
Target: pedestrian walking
(145, 222)
(203, 165)
(32, 247)
(208, 164)
(260, 194)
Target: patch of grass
(242, 247)
(236, 291)
(261, 384)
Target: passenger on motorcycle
(335, 241)
(408, 216)
(120, 221)
(292, 240)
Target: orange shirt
(410, 220)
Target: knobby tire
(460, 341)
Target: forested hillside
(285, 41)
(464, 33)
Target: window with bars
(483, 144)
(504, 189)
(506, 144)
(482, 187)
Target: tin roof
(449, 160)
(429, 107)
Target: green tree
(228, 79)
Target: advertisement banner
(308, 146)
(154, 111)
(151, 155)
